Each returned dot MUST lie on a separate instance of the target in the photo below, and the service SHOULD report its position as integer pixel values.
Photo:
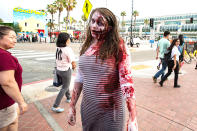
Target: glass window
(190, 27)
(183, 28)
(195, 27)
(187, 27)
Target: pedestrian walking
(181, 50)
(64, 62)
(104, 75)
(173, 64)
(163, 44)
(10, 82)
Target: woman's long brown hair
(111, 46)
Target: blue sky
(146, 8)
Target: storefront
(31, 21)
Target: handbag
(57, 80)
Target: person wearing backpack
(173, 63)
(181, 50)
(163, 44)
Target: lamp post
(131, 37)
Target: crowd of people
(176, 49)
(27, 38)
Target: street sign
(87, 8)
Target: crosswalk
(35, 55)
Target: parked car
(136, 41)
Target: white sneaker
(68, 100)
(57, 110)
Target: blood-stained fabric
(125, 74)
(124, 67)
(102, 107)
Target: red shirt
(9, 62)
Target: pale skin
(99, 27)
(8, 82)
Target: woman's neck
(2, 48)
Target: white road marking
(33, 56)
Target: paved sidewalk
(158, 108)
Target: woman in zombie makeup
(104, 75)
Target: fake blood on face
(98, 26)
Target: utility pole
(131, 37)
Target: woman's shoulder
(175, 48)
(5, 54)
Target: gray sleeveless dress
(102, 107)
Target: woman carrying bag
(173, 64)
(64, 63)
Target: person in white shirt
(173, 64)
(64, 62)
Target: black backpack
(167, 56)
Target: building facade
(30, 21)
(177, 24)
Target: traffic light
(151, 22)
(191, 20)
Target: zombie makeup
(98, 26)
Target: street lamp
(131, 37)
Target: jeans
(162, 71)
(176, 72)
(66, 78)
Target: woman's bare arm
(76, 93)
(10, 86)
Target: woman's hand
(132, 122)
(23, 107)
(174, 67)
(132, 125)
(72, 116)
(74, 65)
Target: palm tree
(59, 4)
(135, 14)
(66, 21)
(123, 14)
(73, 21)
(51, 8)
(1, 21)
(146, 22)
(80, 24)
(83, 17)
(69, 5)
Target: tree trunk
(51, 23)
(67, 19)
(59, 21)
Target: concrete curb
(50, 120)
